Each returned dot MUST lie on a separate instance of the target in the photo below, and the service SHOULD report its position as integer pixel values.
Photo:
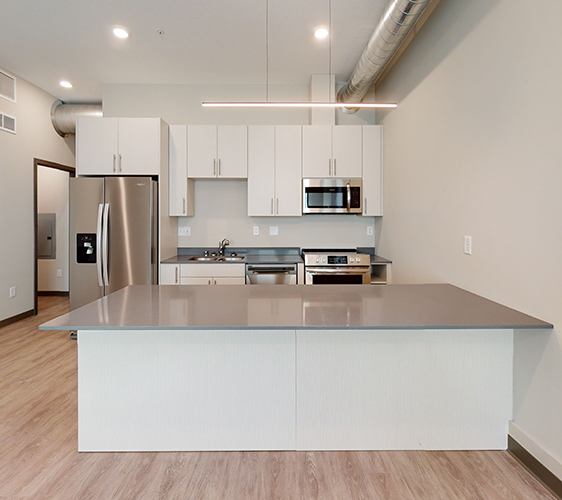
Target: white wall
(35, 138)
(52, 198)
(474, 149)
(220, 206)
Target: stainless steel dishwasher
(271, 274)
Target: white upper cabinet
(217, 151)
(332, 151)
(119, 146)
(346, 151)
(372, 170)
(181, 197)
(274, 171)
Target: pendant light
(292, 104)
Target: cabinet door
(202, 151)
(139, 146)
(229, 280)
(316, 151)
(97, 146)
(181, 198)
(288, 171)
(261, 170)
(232, 151)
(372, 170)
(346, 151)
(169, 274)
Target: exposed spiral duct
(395, 25)
(63, 116)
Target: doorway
(50, 208)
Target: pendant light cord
(330, 47)
(267, 51)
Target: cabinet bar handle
(365, 206)
(277, 206)
(184, 206)
(334, 166)
(220, 169)
(120, 163)
(177, 269)
(214, 171)
(114, 160)
(271, 206)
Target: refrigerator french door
(113, 235)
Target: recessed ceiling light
(120, 33)
(66, 84)
(321, 32)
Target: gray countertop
(249, 259)
(433, 306)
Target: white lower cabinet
(213, 274)
(169, 274)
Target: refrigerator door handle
(99, 239)
(105, 245)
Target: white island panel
(403, 390)
(175, 390)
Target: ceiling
(204, 42)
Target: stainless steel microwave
(331, 196)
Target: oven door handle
(353, 270)
(348, 198)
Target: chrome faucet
(222, 245)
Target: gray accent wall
(474, 149)
(35, 138)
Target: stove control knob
(324, 260)
(317, 260)
(351, 259)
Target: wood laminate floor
(38, 443)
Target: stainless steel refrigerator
(113, 235)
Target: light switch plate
(369, 230)
(184, 231)
(468, 245)
(13, 291)
(256, 230)
(273, 230)
(59, 273)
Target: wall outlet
(273, 230)
(468, 245)
(369, 230)
(59, 273)
(13, 291)
(256, 230)
(184, 231)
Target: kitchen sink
(216, 259)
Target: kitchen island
(171, 368)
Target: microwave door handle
(348, 198)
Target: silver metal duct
(63, 116)
(395, 25)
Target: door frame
(72, 173)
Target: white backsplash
(221, 212)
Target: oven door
(338, 275)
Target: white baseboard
(544, 456)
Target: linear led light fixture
(261, 104)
